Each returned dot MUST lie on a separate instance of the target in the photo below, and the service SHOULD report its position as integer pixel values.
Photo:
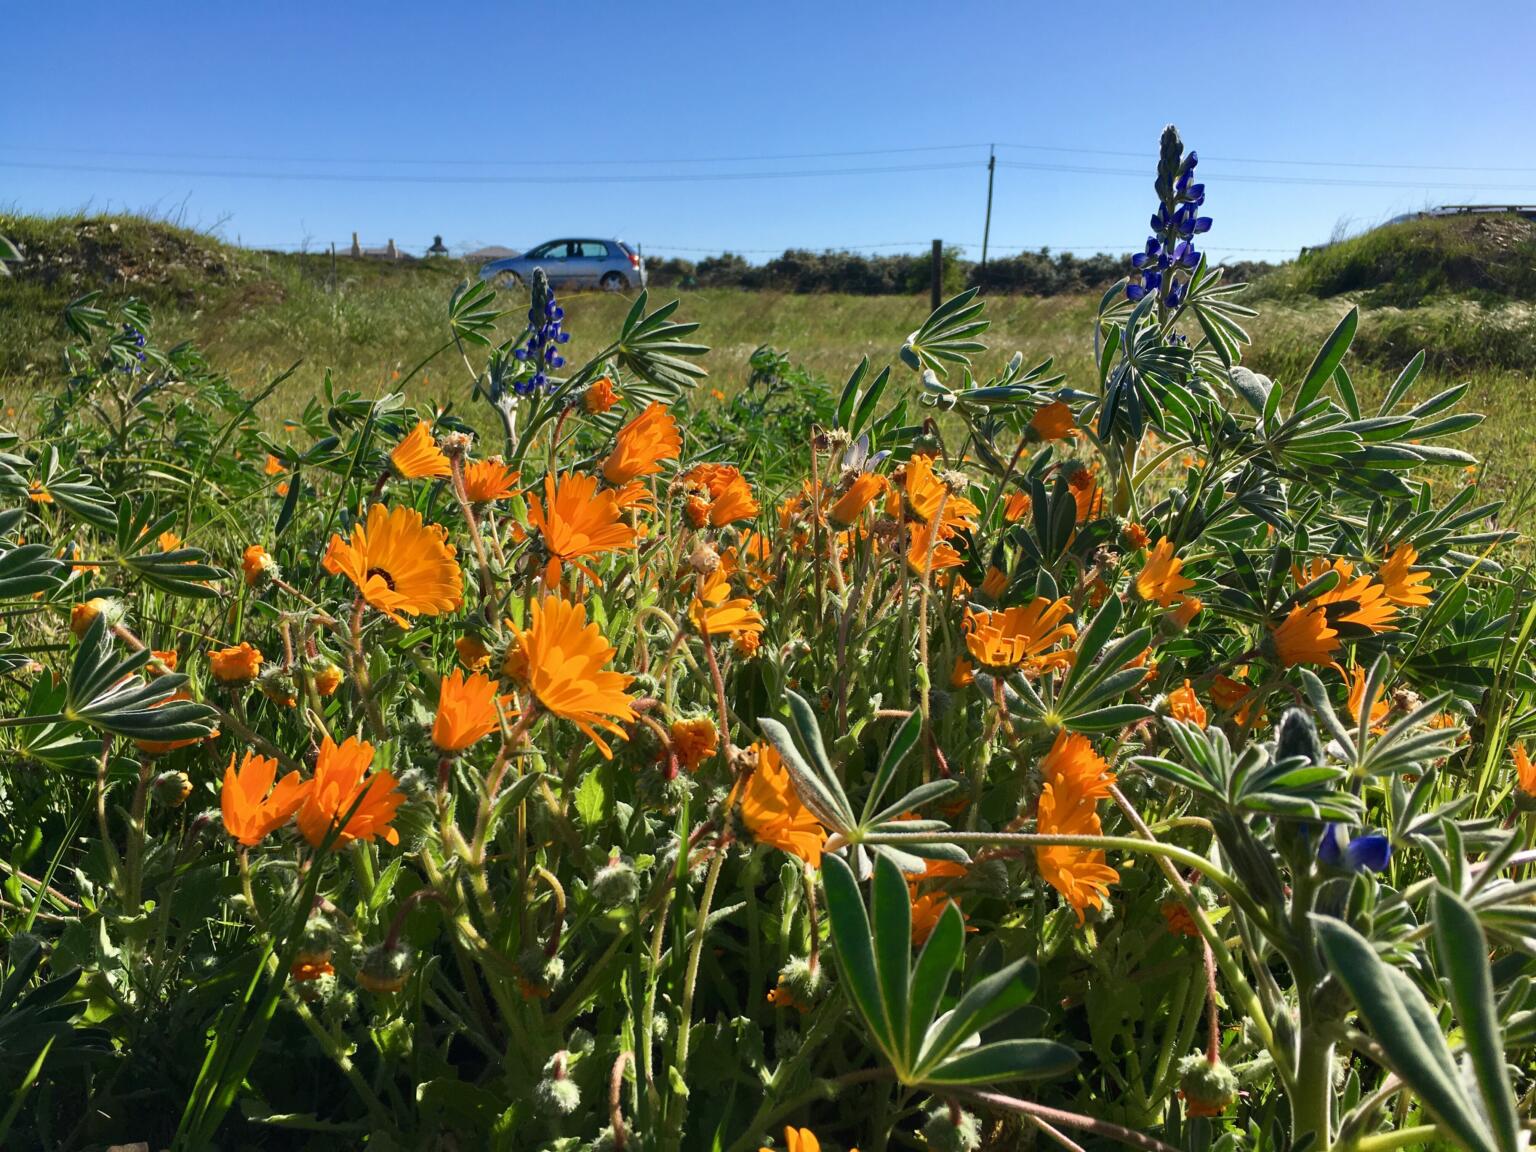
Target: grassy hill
(1464, 289)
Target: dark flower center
(384, 574)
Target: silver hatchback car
(611, 265)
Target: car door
(555, 259)
(587, 257)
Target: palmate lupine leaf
(180, 571)
(653, 347)
(898, 1001)
(471, 313)
(1408, 1030)
(27, 570)
(820, 789)
(947, 336)
(108, 693)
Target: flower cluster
(545, 335)
(1166, 263)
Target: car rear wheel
(614, 282)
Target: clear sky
(511, 123)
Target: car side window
(555, 251)
(594, 250)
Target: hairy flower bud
(385, 969)
(952, 1129)
(172, 788)
(615, 884)
(1208, 1086)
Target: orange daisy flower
(1076, 778)
(418, 456)
(1159, 580)
(257, 564)
(924, 491)
(400, 565)
(472, 653)
(919, 538)
(1357, 600)
(466, 710)
(718, 495)
(1016, 507)
(488, 480)
(1054, 422)
(341, 781)
(169, 541)
(235, 665)
(773, 814)
(714, 612)
(1304, 637)
(273, 465)
(642, 445)
(1525, 770)
(1185, 611)
(859, 495)
(562, 659)
(577, 520)
(995, 583)
(1356, 678)
(253, 809)
(1403, 586)
(1021, 636)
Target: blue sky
(138, 107)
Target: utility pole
(936, 283)
(986, 230)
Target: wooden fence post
(936, 286)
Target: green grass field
(257, 314)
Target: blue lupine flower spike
(1167, 264)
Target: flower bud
(615, 884)
(277, 686)
(385, 969)
(1208, 1086)
(952, 1129)
(82, 616)
(327, 678)
(259, 568)
(172, 788)
(703, 559)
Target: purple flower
(1174, 224)
(1370, 852)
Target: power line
(1254, 178)
(524, 162)
(362, 178)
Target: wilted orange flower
(718, 495)
(714, 612)
(167, 660)
(1076, 778)
(1184, 705)
(1159, 578)
(1185, 611)
(38, 494)
(83, 615)
(235, 665)
(746, 644)
(328, 679)
(1525, 771)
(576, 519)
(256, 564)
(1356, 679)
(1134, 535)
(1305, 637)
(273, 465)
(1021, 636)
(782, 996)
(487, 480)
(848, 507)
(599, 396)
(1178, 919)
(642, 445)
(418, 455)
(1054, 422)
(252, 808)
(341, 781)
(1404, 587)
(309, 968)
(400, 565)
(1086, 494)
(466, 710)
(772, 812)
(473, 654)
(1357, 600)
(1016, 507)
(562, 659)
(694, 740)
(169, 541)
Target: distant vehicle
(611, 265)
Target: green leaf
(108, 694)
(1005, 1060)
(1328, 358)
(892, 909)
(930, 977)
(901, 745)
(591, 798)
(1463, 952)
(853, 945)
(1406, 1028)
